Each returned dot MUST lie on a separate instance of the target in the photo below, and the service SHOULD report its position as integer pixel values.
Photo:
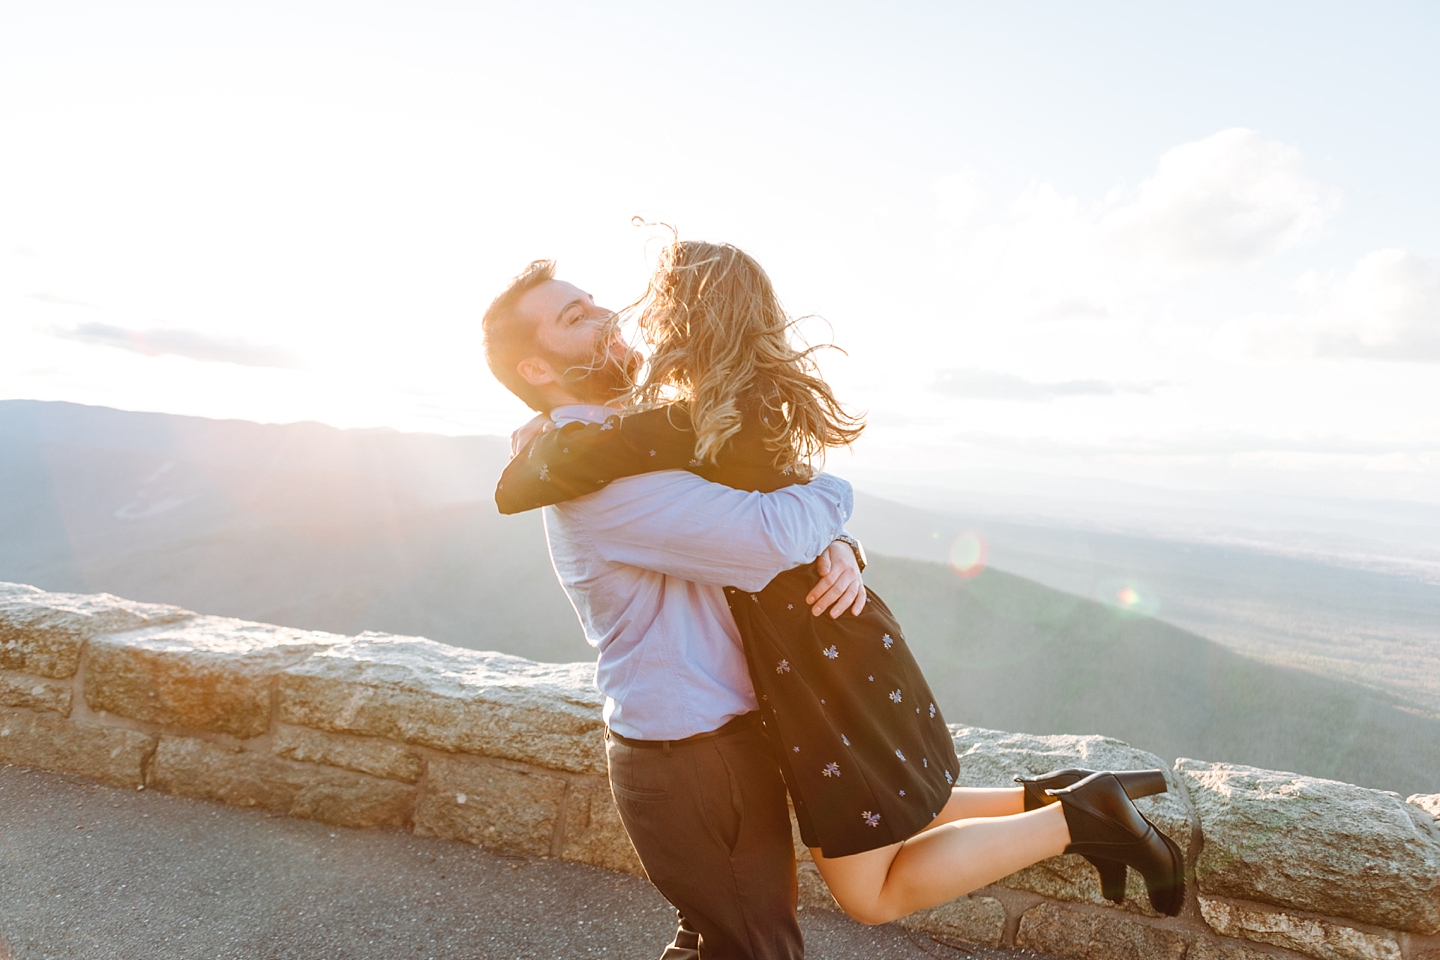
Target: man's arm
(678, 524)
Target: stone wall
(484, 748)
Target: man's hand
(839, 584)
(537, 425)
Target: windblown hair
(723, 343)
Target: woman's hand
(840, 584)
(537, 425)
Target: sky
(1066, 248)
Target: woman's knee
(866, 909)
(868, 914)
(857, 882)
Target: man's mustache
(604, 367)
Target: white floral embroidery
(844, 739)
(544, 471)
(895, 695)
(796, 749)
(783, 666)
(832, 769)
(831, 652)
(948, 778)
(755, 598)
(789, 606)
(888, 640)
(872, 678)
(652, 453)
(902, 793)
(925, 762)
(871, 819)
(900, 754)
(697, 462)
(609, 424)
(932, 710)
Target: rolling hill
(314, 527)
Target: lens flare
(1132, 596)
(968, 555)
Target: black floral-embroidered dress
(862, 745)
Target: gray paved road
(89, 872)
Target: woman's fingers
(859, 606)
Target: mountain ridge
(348, 531)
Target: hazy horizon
(1248, 655)
(1343, 589)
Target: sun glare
(968, 555)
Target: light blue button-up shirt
(645, 561)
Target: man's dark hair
(510, 338)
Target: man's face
(581, 351)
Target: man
(644, 562)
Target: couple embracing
(740, 654)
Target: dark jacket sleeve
(580, 458)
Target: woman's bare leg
(968, 802)
(941, 863)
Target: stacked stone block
(368, 731)
(489, 749)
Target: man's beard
(600, 377)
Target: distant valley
(347, 531)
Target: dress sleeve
(580, 458)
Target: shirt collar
(581, 413)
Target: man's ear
(536, 371)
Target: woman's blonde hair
(723, 343)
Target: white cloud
(992, 385)
(958, 196)
(1387, 307)
(174, 341)
(1227, 201)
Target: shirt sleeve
(675, 523)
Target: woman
(864, 749)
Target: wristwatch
(853, 544)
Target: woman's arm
(580, 458)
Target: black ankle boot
(1105, 824)
(1136, 783)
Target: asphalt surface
(95, 872)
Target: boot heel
(1136, 783)
(1142, 783)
